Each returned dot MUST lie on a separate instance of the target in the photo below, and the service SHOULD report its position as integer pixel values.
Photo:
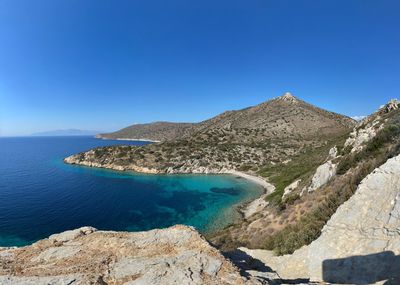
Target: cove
(40, 195)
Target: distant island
(67, 132)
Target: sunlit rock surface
(360, 244)
(177, 255)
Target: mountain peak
(288, 97)
(282, 117)
(393, 104)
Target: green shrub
(308, 228)
(290, 199)
(245, 167)
(301, 166)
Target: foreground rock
(360, 244)
(177, 255)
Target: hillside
(157, 131)
(306, 195)
(246, 140)
(284, 117)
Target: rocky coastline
(246, 209)
(77, 160)
(127, 139)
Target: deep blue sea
(40, 195)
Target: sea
(41, 195)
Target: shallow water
(40, 195)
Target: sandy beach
(260, 203)
(269, 188)
(123, 139)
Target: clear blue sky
(103, 65)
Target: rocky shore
(76, 159)
(247, 210)
(86, 160)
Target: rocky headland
(244, 142)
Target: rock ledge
(177, 255)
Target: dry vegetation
(286, 225)
(352, 169)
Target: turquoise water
(40, 195)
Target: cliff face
(177, 255)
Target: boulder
(323, 174)
(333, 153)
(290, 188)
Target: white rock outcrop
(391, 105)
(369, 127)
(359, 136)
(333, 153)
(177, 255)
(290, 188)
(322, 175)
(288, 97)
(360, 244)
